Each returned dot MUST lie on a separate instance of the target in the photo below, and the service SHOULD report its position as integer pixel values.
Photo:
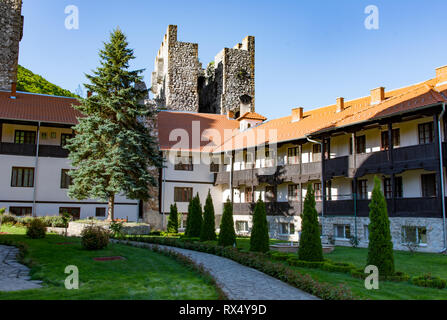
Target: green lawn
(416, 264)
(143, 275)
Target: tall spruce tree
(227, 235)
(208, 232)
(380, 247)
(310, 248)
(259, 238)
(113, 147)
(173, 219)
(194, 219)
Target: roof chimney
(340, 104)
(441, 74)
(377, 95)
(297, 114)
(13, 90)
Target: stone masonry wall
(238, 77)
(179, 81)
(11, 22)
(435, 235)
(175, 76)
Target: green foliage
(194, 219)
(227, 235)
(380, 247)
(36, 229)
(94, 238)
(9, 219)
(310, 248)
(114, 146)
(173, 219)
(2, 210)
(117, 228)
(427, 280)
(30, 82)
(259, 239)
(208, 232)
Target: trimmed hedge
(337, 267)
(293, 261)
(49, 221)
(427, 280)
(261, 262)
(396, 277)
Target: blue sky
(307, 52)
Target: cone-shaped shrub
(380, 247)
(259, 239)
(227, 235)
(310, 248)
(173, 219)
(208, 232)
(194, 219)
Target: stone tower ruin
(11, 31)
(227, 84)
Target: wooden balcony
(404, 158)
(17, 149)
(272, 208)
(404, 207)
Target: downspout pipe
(36, 163)
(441, 167)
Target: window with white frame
(287, 228)
(412, 234)
(242, 226)
(342, 231)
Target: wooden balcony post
(300, 160)
(323, 180)
(437, 156)
(391, 159)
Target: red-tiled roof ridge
(252, 115)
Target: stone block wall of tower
(179, 82)
(235, 72)
(174, 80)
(11, 31)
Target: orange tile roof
(252, 116)
(327, 118)
(193, 131)
(37, 107)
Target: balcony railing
(18, 149)
(404, 207)
(404, 158)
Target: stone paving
(237, 281)
(14, 276)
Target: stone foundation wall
(435, 236)
(11, 30)
(75, 228)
